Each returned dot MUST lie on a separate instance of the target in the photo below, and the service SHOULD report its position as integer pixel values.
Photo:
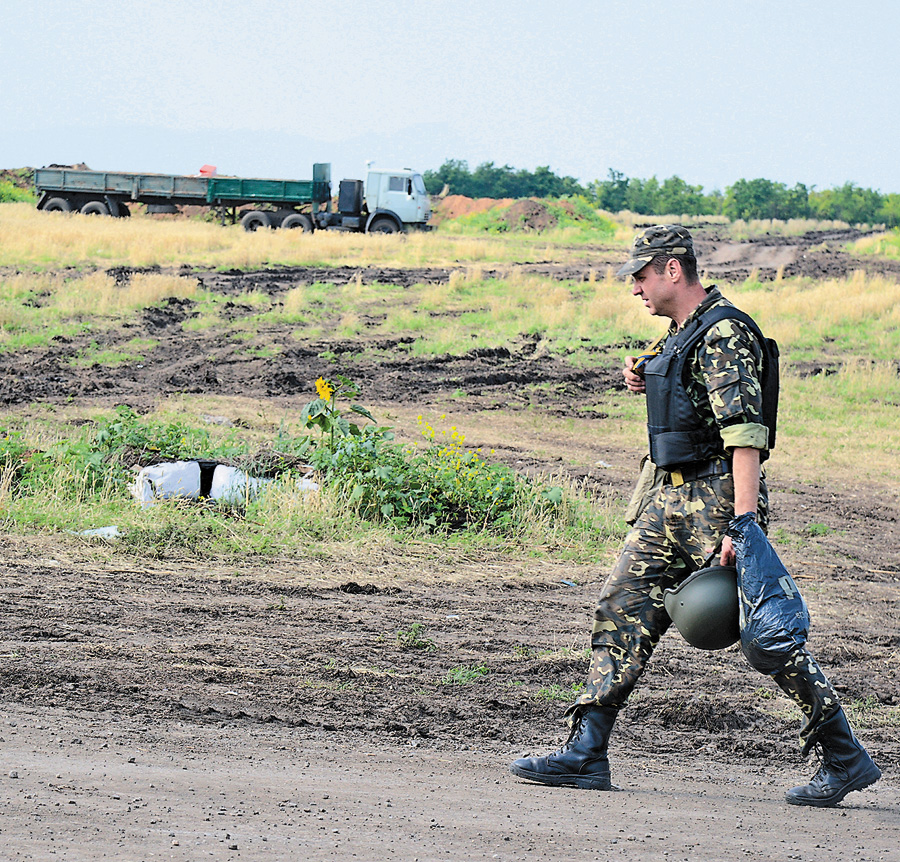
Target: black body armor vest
(678, 435)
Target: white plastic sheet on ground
(230, 485)
(233, 487)
(167, 481)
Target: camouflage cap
(659, 239)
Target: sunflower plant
(323, 412)
(444, 486)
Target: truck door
(399, 196)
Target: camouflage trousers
(803, 681)
(681, 522)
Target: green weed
(414, 638)
(464, 675)
(869, 712)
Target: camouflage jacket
(724, 387)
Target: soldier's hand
(633, 381)
(727, 557)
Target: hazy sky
(710, 90)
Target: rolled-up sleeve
(729, 365)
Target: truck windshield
(419, 184)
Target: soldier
(712, 393)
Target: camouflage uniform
(673, 523)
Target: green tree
(454, 174)
(848, 203)
(677, 197)
(489, 180)
(642, 196)
(765, 199)
(610, 194)
(889, 213)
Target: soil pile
(529, 215)
(454, 206)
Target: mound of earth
(21, 178)
(529, 215)
(454, 206)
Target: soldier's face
(657, 291)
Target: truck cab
(396, 200)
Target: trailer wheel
(95, 208)
(255, 220)
(383, 225)
(117, 209)
(57, 205)
(298, 221)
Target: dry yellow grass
(41, 240)
(93, 294)
(801, 311)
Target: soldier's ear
(673, 268)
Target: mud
(366, 704)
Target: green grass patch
(464, 675)
(821, 422)
(881, 245)
(56, 477)
(134, 350)
(11, 193)
(560, 219)
(563, 693)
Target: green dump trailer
(388, 201)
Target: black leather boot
(845, 766)
(582, 761)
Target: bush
(10, 193)
(444, 487)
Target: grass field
(839, 340)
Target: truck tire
(383, 224)
(57, 205)
(255, 219)
(298, 221)
(117, 209)
(95, 208)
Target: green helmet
(704, 607)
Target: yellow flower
(324, 389)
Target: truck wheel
(57, 205)
(255, 220)
(383, 225)
(95, 208)
(298, 220)
(118, 209)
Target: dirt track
(180, 710)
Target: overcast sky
(710, 90)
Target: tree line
(744, 199)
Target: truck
(389, 201)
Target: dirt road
(92, 786)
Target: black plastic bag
(774, 618)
